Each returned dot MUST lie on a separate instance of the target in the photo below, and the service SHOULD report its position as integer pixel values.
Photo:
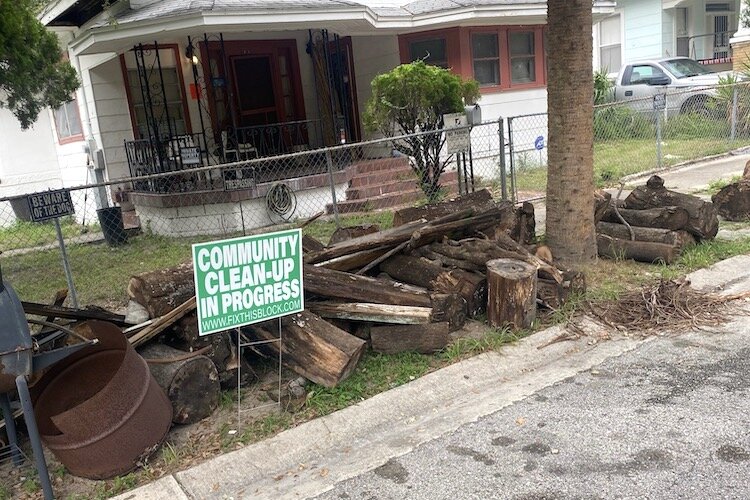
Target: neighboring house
(652, 29)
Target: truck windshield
(685, 68)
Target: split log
(417, 233)
(310, 244)
(703, 221)
(511, 293)
(378, 313)
(524, 229)
(425, 339)
(480, 201)
(733, 201)
(641, 251)
(190, 381)
(162, 323)
(324, 282)
(444, 260)
(351, 232)
(680, 239)
(673, 218)
(602, 202)
(419, 271)
(36, 309)
(312, 347)
(163, 290)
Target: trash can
(110, 219)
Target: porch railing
(185, 151)
(274, 139)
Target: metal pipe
(501, 146)
(66, 264)
(36, 442)
(329, 161)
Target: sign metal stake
(66, 265)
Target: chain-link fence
(661, 129)
(153, 218)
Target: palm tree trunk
(570, 89)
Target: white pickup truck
(688, 84)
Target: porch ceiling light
(190, 54)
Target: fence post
(329, 161)
(501, 138)
(658, 139)
(512, 161)
(66, 265)
(733, 132)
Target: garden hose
(281, 201)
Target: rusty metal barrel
(100, 411)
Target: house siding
(643, 25)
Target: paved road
(670, 420)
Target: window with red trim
(431, 50)
(68, 122)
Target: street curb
(688, 163)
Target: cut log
(680, 239)
(524, 229)
(421, 272)
(163, 290)
(425, 339)
(602, 202)
(350, 232)
(444, 260)
(553, 295)
(191, 382)
(641, 251)
(703, 219)
(378, 313)
(511, 293)
(673, 218)
(310, 244)
(478, 200)
(356, 260)
(312, 347)
(733, 201)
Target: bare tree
(570, 185)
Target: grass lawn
(617, 158)
(23, 234)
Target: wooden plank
(378, 313)
(425, 339)
(48, 310)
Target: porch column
(740, 42)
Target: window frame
(499, 58)
(452, 36)
(73, 137)
(620, 43)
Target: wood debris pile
(653, 224)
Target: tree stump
(511, 296)
(733, 201)
(191, 384)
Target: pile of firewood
(405, 288)
(653, 223)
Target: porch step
(392, 199)
(377, 189)
(378, 177)
(378, 164)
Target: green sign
(247, 280)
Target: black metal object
(17, 361)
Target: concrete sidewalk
(310, 459)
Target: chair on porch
(239, 150)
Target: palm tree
(570, 184)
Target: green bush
(619, 122)
(603, 87)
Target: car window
(642, 74)
(685, 68)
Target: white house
(652, 29)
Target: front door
(254, 87)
